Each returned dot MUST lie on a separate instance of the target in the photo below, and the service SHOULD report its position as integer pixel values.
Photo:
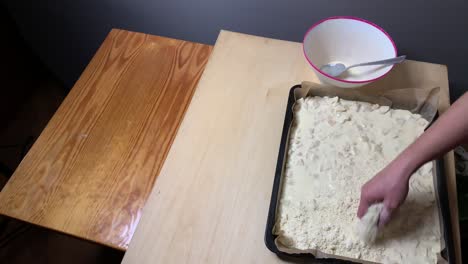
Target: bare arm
(390, 185)
(449, 131)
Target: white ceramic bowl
(348, 40)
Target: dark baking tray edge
(448, 252)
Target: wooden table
(211, 200)
(94, 165)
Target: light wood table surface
(94, 165)
(211, 200)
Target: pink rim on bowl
(351, 18)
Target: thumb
(363, 206)
(385, 216)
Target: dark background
(65, 34)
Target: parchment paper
(416, 100)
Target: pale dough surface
(335, 147)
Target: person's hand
(390, 187)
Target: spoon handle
(381, 62)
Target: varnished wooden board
(211, 200)
(94, 165)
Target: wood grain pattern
(93, 167)
(211, 200)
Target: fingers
(385, 216)
(363, 205)
(366, 200)
(390, 205)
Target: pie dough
(335, 146)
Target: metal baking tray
(448, 253)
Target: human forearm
(390, 185)
(450, 130)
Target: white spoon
(336, 69)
